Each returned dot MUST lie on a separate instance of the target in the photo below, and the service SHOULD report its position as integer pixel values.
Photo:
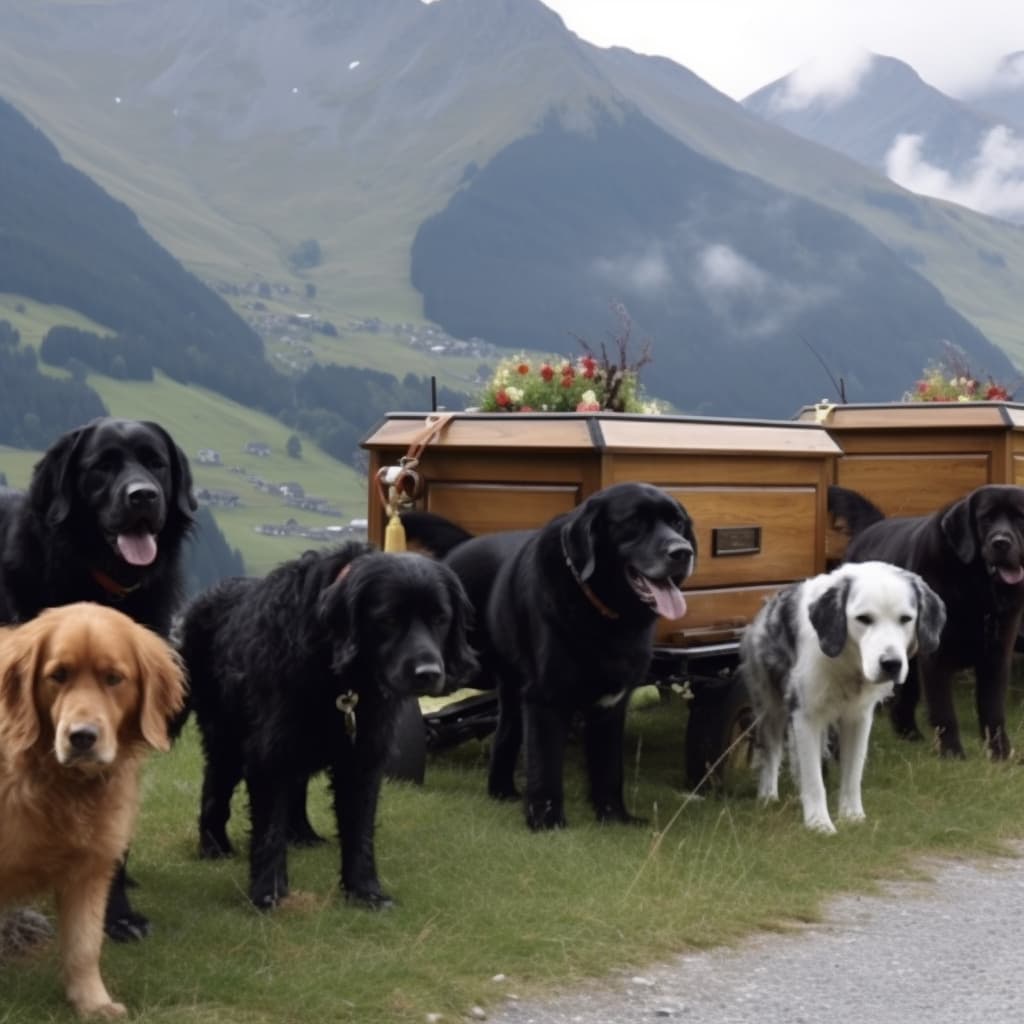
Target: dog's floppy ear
(335, 612)
(459, 658)
(19, 718)
(579, 539)
(957, 525)
(931, 615)
(828, 617)
(162, 686)
(181, 473)
(52, 490)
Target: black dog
(565, 624)
(106, 514)
(306, 669)
(971, 553)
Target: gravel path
(943, 950)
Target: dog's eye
(113, 678)
(866, 620)
(151, 460)
(906, 619)
(59, 675)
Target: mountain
(397, 136)
(735, 278)
(895, 122)
(1003, 96)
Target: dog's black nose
(679, 553)
(429, 677)
(891, 667)
(83, 738)
(142, 495)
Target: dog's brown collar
(588, 593)
(111, 586)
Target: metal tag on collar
(346, 704)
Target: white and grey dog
(821, 654)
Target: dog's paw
(821, 824)
(503, 792)
(103, 1011)
(614, 812)
(305, 839)
(854, 816)
(369, 899)
(215, 849)
(543, 815)
(128, 926)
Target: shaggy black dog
(971, 553)
(306, 669)
(565, 624)
(104, 519)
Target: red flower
(567, 381)
(501, 398)
(547, 372)
(588, 371)
(523, 368)
(922, 387)
(588, 407)
(589, 364)
(996, 393)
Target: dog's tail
(850, 512)
(431, 534)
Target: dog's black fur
(971, 553)
(110, 489)
(268, 661)
(561, 630)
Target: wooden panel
(713, 616)
(904, 415)
(913, 484)
(486, 508)
(664, 434)
(497, 431)
(738, 470)
(787, 517)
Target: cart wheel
(719, 737)
(407, 756)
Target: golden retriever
(84, 693)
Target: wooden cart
(756, 491)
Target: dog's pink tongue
(668, 599)
(1011, 576)
(137, 548)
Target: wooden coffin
(756, 490)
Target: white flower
(515, 395)
(588, 397)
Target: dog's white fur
(823, 653)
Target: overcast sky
(740, 45)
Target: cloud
(646, 272)
(992, 182)
(827, 81)
(723, 269)
(750, 300)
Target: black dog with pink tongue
(104, 519)
(565, 619)
(971, 553)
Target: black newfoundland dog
(306, 669)
(104, 519)
(971, 553)
(565, 619)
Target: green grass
(478, 895)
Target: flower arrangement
(951, 380)
(559, 384)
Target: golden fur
(84, 693)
